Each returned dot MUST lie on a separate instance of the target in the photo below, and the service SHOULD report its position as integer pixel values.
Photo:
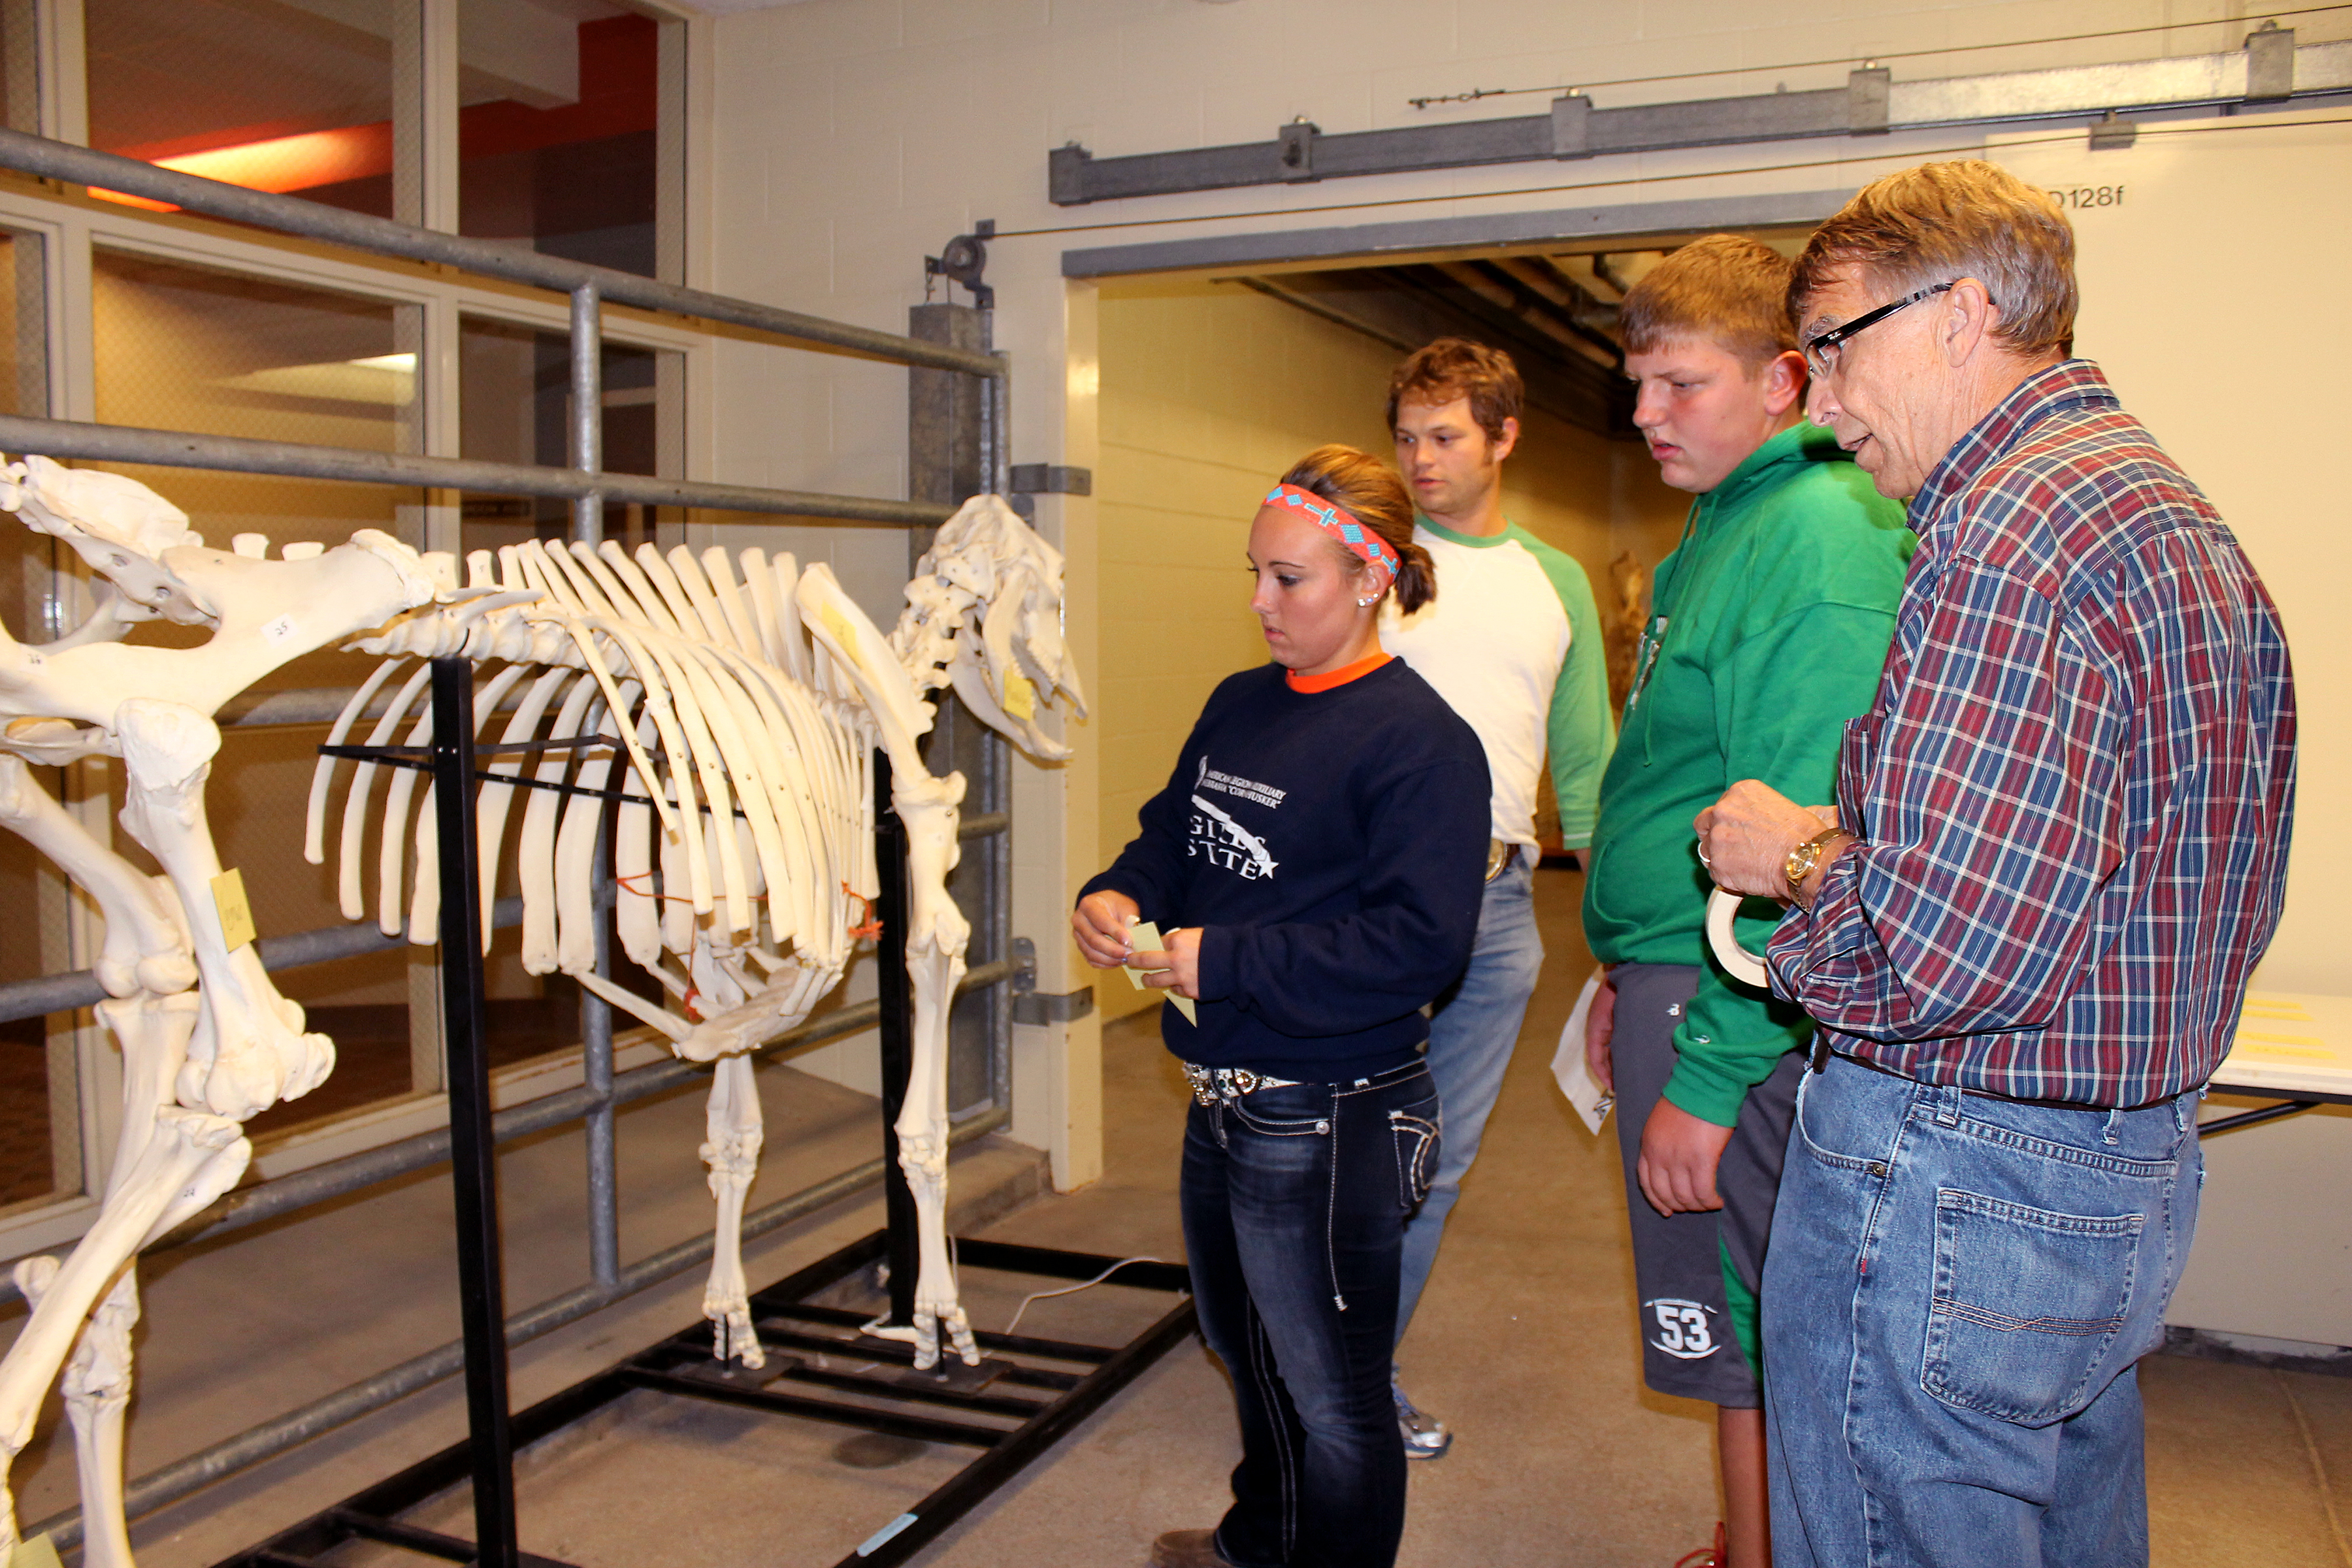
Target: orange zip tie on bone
(873, 924)
(648, 876)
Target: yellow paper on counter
(1144, 937)
(236, 913)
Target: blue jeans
(1471, 1032)
(1957, 1290)
(1293, 1203)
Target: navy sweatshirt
(1332, 847)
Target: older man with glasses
(2059, 847)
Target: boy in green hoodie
(1767, 628)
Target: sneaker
(1187, 1549)
(1425, 1436)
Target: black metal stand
(473, 1156)
(1026, 1395)
(897, 1029)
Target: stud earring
(1368, 604)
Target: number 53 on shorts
(1683, 1331)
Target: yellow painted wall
(1209, 391)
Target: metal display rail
(1030, 1393)
(588, 487)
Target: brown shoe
(1187, 1549)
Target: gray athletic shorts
(1689, 1346)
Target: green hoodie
(1768, 627)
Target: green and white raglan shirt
(1513, 644)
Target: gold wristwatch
(1805, 856)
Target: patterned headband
(1359, 542)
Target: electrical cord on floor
(1072, 1290)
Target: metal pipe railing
(179, 1479)
(321, 944)
(237, 453)
(382, 236)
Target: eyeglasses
(1822, 352)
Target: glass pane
(23, 327)
(189, 348)
(291, 96)
(514, 400)
(20, 77)
(556, 137)
(38, 1127)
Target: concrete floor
(1527, 1341)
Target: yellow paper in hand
(1144, 935)
(236, 913)
(39, 1552)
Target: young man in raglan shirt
(1513, 644)
(1767, 626)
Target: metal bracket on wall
(1031, 1005)
(2270, 64)
(2109, 134)
(1052, 480)
(2270, 70)
(1298, 141)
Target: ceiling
(1555, 314)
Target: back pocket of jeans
(2026, 1303)
(1417, 1141)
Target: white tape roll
(1736, 960)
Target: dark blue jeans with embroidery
(1294, 1201)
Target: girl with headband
(1315, 865)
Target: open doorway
(1214, 382)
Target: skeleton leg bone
(190, 1160)
(938, 933)
(98, 1391)
(249, 1050)
(144, 947)
(734, 1128)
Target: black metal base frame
(1026, 1395)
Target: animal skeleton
(739, 700)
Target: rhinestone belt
(1211, 1084)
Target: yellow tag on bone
(843, 633)
(39, 1552)
(1020, 696)
(236, 913)
(1144, 937)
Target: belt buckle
(1203, 1082)
(1499, 855)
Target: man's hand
(1679, 1154)
(1600, 1028)
(1099, 923)
(1176, 967)
(1745, 839)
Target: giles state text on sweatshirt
(1330, 845)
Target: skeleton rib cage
(743, 837)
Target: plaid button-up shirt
(2074, 787)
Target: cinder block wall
(1209, 391)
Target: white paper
(1568, 1064)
